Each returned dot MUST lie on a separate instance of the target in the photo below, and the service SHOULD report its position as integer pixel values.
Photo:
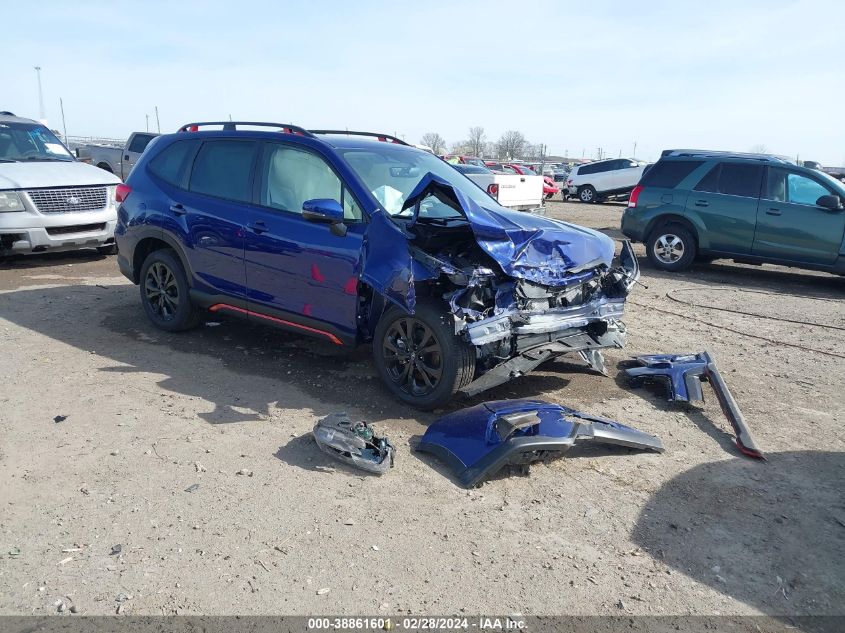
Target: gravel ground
(158, 426)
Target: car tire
(420, 358)
(108, 249)
(165, 292)
(671, 247)
(587, 194)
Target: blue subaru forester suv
(355, 238)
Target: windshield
(30, 141)
(392, 172)
(837, 185)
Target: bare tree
(436, 142)
(461, 148)
(476, 141)
(511, 144)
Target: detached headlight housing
(10, 201)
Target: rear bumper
(73, 236)
(632, 227)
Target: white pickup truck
(117, 160)
(515, 191)
(49, 201)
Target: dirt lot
(696, 529)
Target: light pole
(40, 95)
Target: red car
(549, 186)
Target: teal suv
(699, 205)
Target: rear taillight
(635, 194)
(493, 190)
(122, 192)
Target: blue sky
(575, 75)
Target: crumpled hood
(526, 246)
(40, 174)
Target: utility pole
(64, 125)
(158, 123)
(148, 122)
(40, 95)
(635, 150)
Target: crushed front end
(517, 324)
(519, 288)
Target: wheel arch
(149, 244)
(667, 219)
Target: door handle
(257, 227)
(178, 209)
(702, 203)
(773, 212)
(126, 157)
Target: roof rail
(6, 113)
(230, 126)
(724, 154)
(385, 138)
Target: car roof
(8, 117)
(726, 155)
(339, 139)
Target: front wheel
(671, 247)
(587, 194)
(420, 358)
(164, 292)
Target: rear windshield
(472, 169)
(668, 174)
(30, 142)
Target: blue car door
(215, 212)
(299, 272)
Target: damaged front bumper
(479, 441)
(537, 336)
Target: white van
(49, 201)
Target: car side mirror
(830, 202)
(327, 211)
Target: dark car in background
(698, 204)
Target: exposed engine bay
(515, 324)
(520, 288)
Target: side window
(510, 169)
(710, 183)
(668, 174)
(776, 185)
(292, 176)
(223, 169)
(803, 190)
(586, 170)
(741, 180)
(171, 163)
(139, 142)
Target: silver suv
(49, 201)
